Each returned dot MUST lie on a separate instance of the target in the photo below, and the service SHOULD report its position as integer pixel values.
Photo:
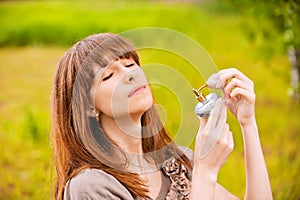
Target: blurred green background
(244, 34)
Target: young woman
(109, 142)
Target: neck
(126, 132)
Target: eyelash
(110, 75)
(130, 65)
(107, 77)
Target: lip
(137, 90)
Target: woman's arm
(214, 143)
(258, 184)
(239, 96)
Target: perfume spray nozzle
(199, 96)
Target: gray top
(97, 184)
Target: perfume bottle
(206, 103)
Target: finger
(201, 133)
(222, 118)
(233, 73)
(214, 81)
(202, 123)
(216, 131)
(224, 134)
(207, 141)
(245, 93)
(214, 115)
(224, 94)
(234, 83)
(230, 144)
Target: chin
(141, 106)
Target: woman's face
(121, 89)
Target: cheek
(111, 100)
(103, 99)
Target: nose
(130, 76)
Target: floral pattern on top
(180, 184)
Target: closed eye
(107, 77)
(130, 65)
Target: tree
(284, 15)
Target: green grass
(34, 35)
(25, 123)
(57, 23)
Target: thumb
(203, 122)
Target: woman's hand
(238, 94)
(214, 142)
(239, 97)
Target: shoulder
(95, 184)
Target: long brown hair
(78, 140)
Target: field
(34, 35)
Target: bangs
(131, 54)
(110, 49)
